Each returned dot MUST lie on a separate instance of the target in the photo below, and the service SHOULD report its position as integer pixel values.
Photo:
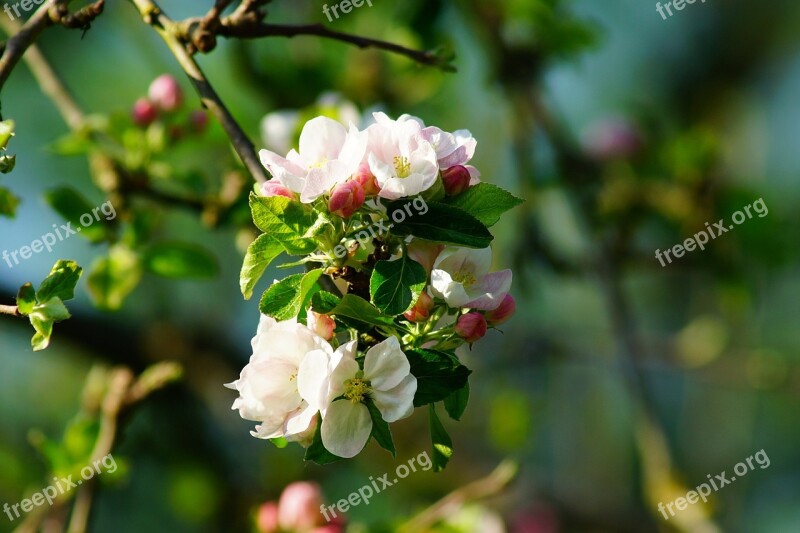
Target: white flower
(278, 129)
(452, 149)
(268, 385)
(386, 380)
(401, 159)
(328, 155)
(461, 276)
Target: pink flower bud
(144, 112)
(275, 188)
(346, 199)
(322, 325)
(503, 311)
(613, 138)
(198, 121)
(165, 93)
(267, 518)
(298, 508)
(421, 310)
(456, 180)
(471, 327)
(367, 180)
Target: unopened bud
(471, 327)
(322, 325)
(503, 311)
(421, 310)
(367, 180)
(198, 121)
(346, 199)
(267, 518)
(165, 93)
(456, 180)
(144, 112)
(275, 188)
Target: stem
(152, 15)
(12, 310)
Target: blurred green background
(624, 132)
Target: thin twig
(169, 31)
(12, 310)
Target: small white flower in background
(328, 155)
(386, 380)
(277, 130)
(461, 276)
(268, 385)
(401, 159)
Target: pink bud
(424, 253)
(346, 199)
(144, 112)
(267, 518)
(503, 311)
(298, 508)
(275, 188)
(612, 138)
(322, 325)
(367, 180)
(421, 310)
(166, 93)
(471, 327)
(199, 121)
(456, 180)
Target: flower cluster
(163, 101)
(369, 331)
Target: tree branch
(12, 310)
(169, 31)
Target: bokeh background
(619, 383)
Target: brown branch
(12, 310)
(170, 32)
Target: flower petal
(312, 378)
(385, 364)
(397, 403)
(343, 366)
(489, 291)
(444, 287)
(321, 140)
(346, 428)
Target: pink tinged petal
(321, 180)
(299, 421)
(451, 291)
(322, 139)
(458, 157)
(354, 149)
(490, 290)
(346, 428)
(385, 364)
(280, 167)
(475, 175)
(312, 378)
(397, 403)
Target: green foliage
(456, 403)
(260, 254)
(444, 223)
(180, 260)
(285, 299)
(352, 306)
(486, 202)
(380, 429)
(113, 277)
(317, 452)
(288, 222)
(442, 444)
(395, 285)
(8, 203)
(439, 374)
(70, 204)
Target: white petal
(323, 179)
(444, 287)
(489, 291)
(346, 428)
(397, 403)
(385, 364)
(321, 140)
(343, 367)
(299, 421)
(312, 378)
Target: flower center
(356, 390)
(402, 167)
(464, 277)
(293, 377)
(319, 164)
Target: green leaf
(486, 202)
(61, 281)
(71, 144)
(442, 444)
(279, 442)
(439, 374)
(287, 221)
(380, 429)
(42, 318)
(7, 163)
(395, 285)
(323, 302)
(26, 299)
(442, 223)
(6, 132)
(355, 307)
(260, 254)
(456, 403)
(179, 260)
(285, 299)
(8, 203)
(317, 451)
(72, 205)
(113, 278)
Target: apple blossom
(322, 325)
(144, 112)
(346, 199)
(452, 149)
(456, 180)
(166, 93)
(424, 253)
(367, 180)
(267, 518)
(328, 155)
(503, 312)
(461, 276)
(421, 310)
(275, 188)
(386, 380)
(298, 507)
(471, 327)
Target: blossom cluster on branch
(391, 223)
